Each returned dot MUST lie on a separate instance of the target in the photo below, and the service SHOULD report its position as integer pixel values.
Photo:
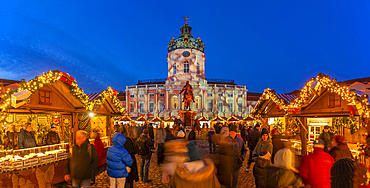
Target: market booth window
(45, 97)
(334, 100)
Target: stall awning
(286, 97)
(170, 119)
(233, 118)
(248, 118)
(218, 118)
(139, 118)
(203, 119)
(126, 118)
(93, 96)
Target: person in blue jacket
(118, 161)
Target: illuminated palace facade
(186, 62)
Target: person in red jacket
(315, 167)
(102, 154)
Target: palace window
(151, 95)
(240, 96)
(141, 107)
(174, 102)
(198, 68)
(132, 108)
(230, 102)
(141, 95)
(220, 95)
(230, 95)
(198, 102)
(161, 106)
(174, 68)
(210, 106)
(240, 106)
(45, 97)
(209, 94)
(161, 95)
(186, 66)
(334, 100)
(220, 106)
(132, 96)
(151, 107)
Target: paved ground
(245, 179)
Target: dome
(185, 40)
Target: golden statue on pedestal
(188, 95)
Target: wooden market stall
(169, 122)
(204, 122)
(52, 98)
(156, 121)
(322, 102)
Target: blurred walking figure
(259, 169)
(315, 167)
(132, 148)
(244, 133)
(277, 144)
(283, 173)
(145, 144)
(211, 140)
(253, 138)
(80, 166)
(192, 134)
(159, 139)
(339, 148)
(196, 172)
(52, 137)
(118, 161)
(102, 154)
(232, 154)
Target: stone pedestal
(187, 117)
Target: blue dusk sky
(260, 44)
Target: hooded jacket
(52, 138)
(341, 151)
(186, 176)
(253, 138)
(118, 158)
(277, 145)
(102, 152)
(263, 146)
(26, 139)
(315, 168)
(281, 175)
(82, 163)
(259, 170)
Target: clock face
(186, 53)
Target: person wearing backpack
(84, 160)
(145, 143)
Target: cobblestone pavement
(245, 180)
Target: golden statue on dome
(185, 18)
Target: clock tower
(185, 58)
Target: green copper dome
(185, 40)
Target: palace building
(186, 62)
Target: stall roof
(218, 118)
(170, 119)
(203, 119)
(233, 118)
(156, 119)
(93, 96)
(248, 118)
(126, 118)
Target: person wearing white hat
(283, 173)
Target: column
(303, 129)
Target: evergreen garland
(350, 123)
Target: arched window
(220, 107)
(174, 102)
(186, 66)
(198, 102)
(174, 68)
(230, 103)
(240, 105)
(198, 68)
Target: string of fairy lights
(314, 87)
(49, 78)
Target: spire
(186, 29)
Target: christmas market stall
(44, 105)
(104, 108)
(124, 120)
(139, 121)
(169, 122)
(204, 122)
(156, 121)
(325, 103)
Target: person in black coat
(244, 133)
(151, 131)
(192, 134)
(132, 148)
(253, 138)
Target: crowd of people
(177, 152)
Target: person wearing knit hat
(253, 139)
(232, 154)
(282, 174)
(316, 174)
(265, 144)
(52, 137)
(277, 144)
(259, 169)
(325, 136)
(212, 140)
(342, 173)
